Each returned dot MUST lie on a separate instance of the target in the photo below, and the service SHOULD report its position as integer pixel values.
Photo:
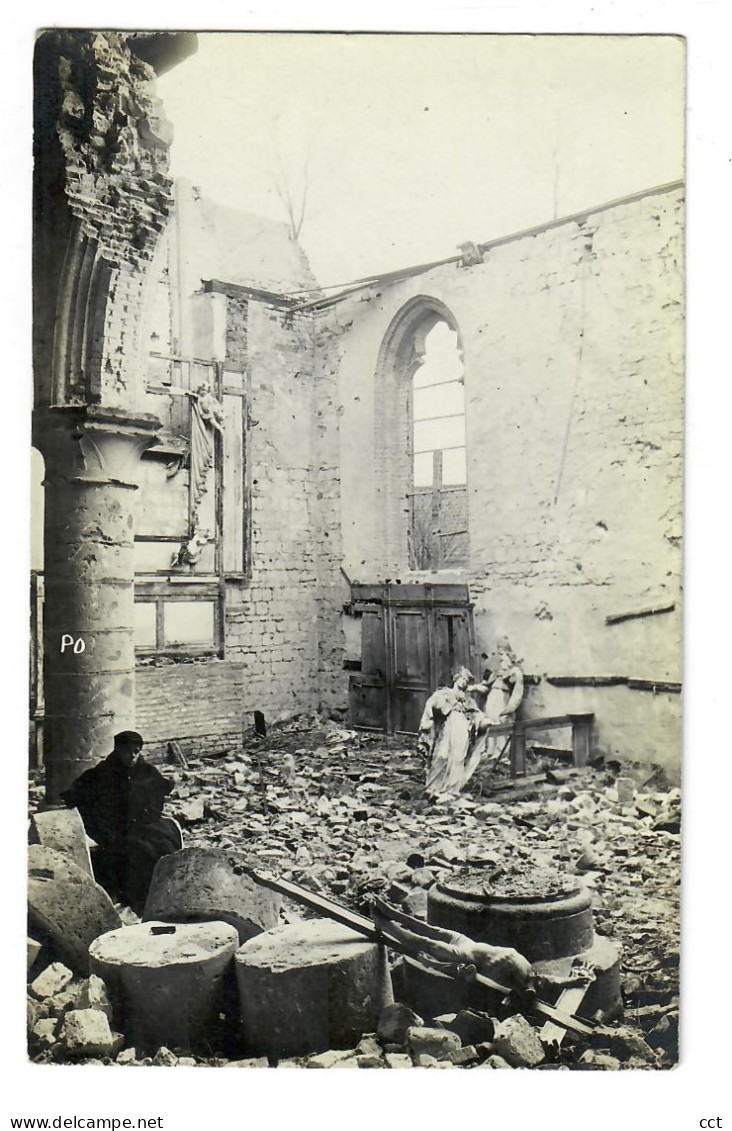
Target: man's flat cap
(128, 737)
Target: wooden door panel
(411, 646)
(367, 701)
(373, 642)
(407, 708)
(453, 643)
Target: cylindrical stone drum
(540, 913)
(431, 993)
(205, 884)
(166, 980)
(66, 906)
(309, 987)
(603, 993)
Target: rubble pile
(342, 813)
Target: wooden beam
(569, 1000)
(646, 611)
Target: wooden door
(409, 685)
(367, 691)
(412, 639)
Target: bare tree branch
(294, 203)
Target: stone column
(92, 455)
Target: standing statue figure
(452, 734)
(503, 688)
(207, 419)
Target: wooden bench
(581, 725)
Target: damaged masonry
(356, 643)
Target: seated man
(121, 804)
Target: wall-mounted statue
(207, 418)
(189, 551)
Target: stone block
(425, 1041)
(66, 905)
(448, 850)
(86, 1032)
(33, 950)
(369, 1061)
(518, 1042)
(495, 1061)
(592, 1059)
(93, 995)
(623, 1042)
(206, 885)
(309, 987)
(416, 903)
(165, 1058)
(471, 1026)
(465, 1055)
(63, 831)
(44, 1031)
(397, 892)
(67, 999)
(32, 1012)
(665, 1035)
(166, 981)
(394, 1021)
(368, 1046)
(51, 981)
(398, 1060)
(328, 1059)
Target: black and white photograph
(357, 620)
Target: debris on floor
(343, 814)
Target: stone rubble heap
(342, 814)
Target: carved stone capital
(93, 442)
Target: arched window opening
(438, 534)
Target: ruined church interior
(356, 616)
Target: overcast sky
(415, 143)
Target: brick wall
(199, 703)
(283, 636)
(281, 622)
(572, 342)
